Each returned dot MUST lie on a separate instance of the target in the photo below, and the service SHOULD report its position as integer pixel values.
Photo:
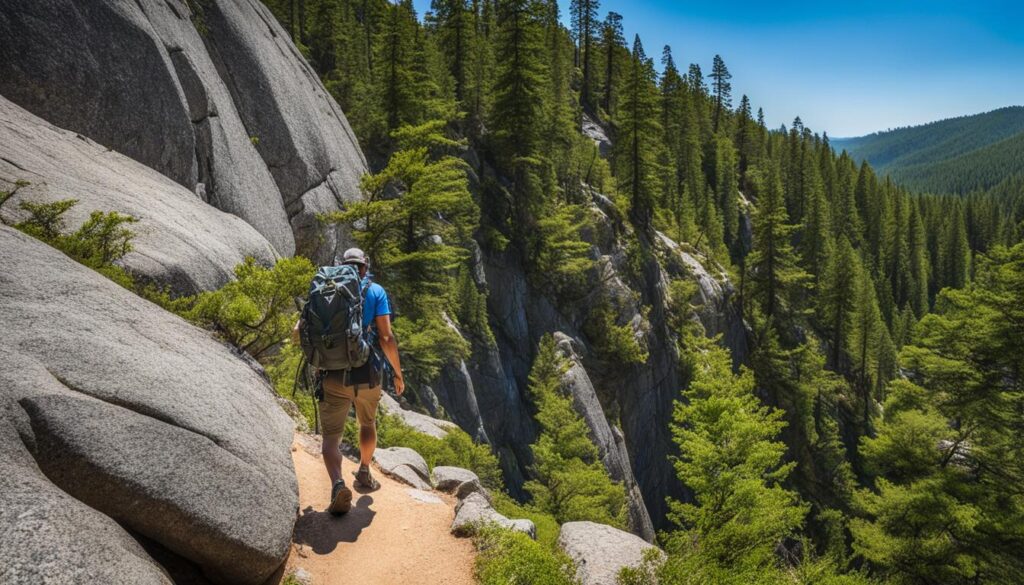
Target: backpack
(331, 334)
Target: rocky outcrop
(639, 397)
(594, 131)
(609, 441)
(713, 300)
(217, 100)
(180, 241)
(600, 552)
(131, 422)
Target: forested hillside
(871, 431)
(958, 155)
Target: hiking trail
(394, 535)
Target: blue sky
(847, 68)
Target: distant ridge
(956, 155)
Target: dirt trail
(393, 536)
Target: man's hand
(399, 385)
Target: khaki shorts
(339, 397)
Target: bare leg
(332, 457)
(367, 443)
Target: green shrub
(103, 239)
(614, 343)
(256, 311)
(547, 527)
(513, 558)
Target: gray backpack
(331, 334)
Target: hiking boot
(341, 498)
(364, 479)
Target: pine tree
(730, 458)
(722, 89)
(958, 251)
(816, 233)
(456, 34)
(728, 192)
(837, 298)
(584, 28)
(517, 111)
(612, 40)
(746, 139)
(775, 275)
(918, 263)
(637, 137)
(847, 216)
(865, 339)
(570, 481)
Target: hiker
(361, 386)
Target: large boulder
(448, 479)
(218, 100)
(393, 457)
(157, 429)
(180, 241)
(45, 534)
(600, 551)
(609, 441)
(475, 511)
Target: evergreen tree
(837, 298)
(918, 263)
(570, 481)
(746, 136)
(774, 272)
(728, 193)
(722, 89)
(731, 460)
(948, 458)
(815, 237)
(584, 28)
(456, 35)
(638, 136)
(517, 111)
(612, 40)
(866, 337)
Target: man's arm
(389, 346)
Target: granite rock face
(299, 130)
(609, 440)
(180, 241)
(46, 532)
(218, 100)
(129, 421)
(639, 397)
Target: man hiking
(359, 386)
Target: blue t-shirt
(375, 304)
